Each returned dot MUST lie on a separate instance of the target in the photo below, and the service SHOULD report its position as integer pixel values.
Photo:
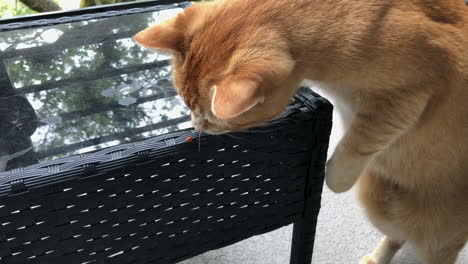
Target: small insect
(189, 139)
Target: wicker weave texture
(164, 200)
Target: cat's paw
(368, 260)
(343, 170)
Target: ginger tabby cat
(399, 69)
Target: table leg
(303, 239)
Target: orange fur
(399, 66)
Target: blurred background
(10, 8)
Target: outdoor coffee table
(99, 163)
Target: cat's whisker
(257, 131)
(199, 141)
(199, 136)
(239, 138)
(250, 131)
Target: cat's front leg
(344, 169)
(380, 118)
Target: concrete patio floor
(344, 235)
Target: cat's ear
(166, 36)
(237, 94)
(232, 98)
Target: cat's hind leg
(438, 252)
(376, 194)
(384, 252)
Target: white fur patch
(341, 97)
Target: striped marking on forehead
(193, 74)
(206, 53)
(190, 95)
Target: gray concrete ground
(343, 235)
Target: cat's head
(233, 69)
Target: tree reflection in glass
(90, 85)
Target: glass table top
(72, 88)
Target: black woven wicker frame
(166, 199)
